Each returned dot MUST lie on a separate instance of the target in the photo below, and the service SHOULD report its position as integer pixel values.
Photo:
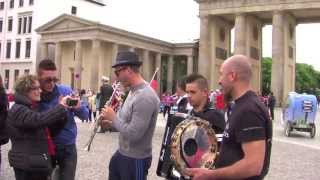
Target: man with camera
(64, 140)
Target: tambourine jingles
(193, 145)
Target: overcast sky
(177, 21)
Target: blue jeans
(66, 161)
(125, 168)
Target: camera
(71, 102)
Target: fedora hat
(127, 58)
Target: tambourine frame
(178, 153)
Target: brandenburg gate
(247, 17)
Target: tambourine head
(193, 145)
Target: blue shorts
(125, 168)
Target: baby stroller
(300, 113)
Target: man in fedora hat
(135, 121)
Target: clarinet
(96, 124)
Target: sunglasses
(49, 80)
(117, 71)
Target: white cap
(105, 78)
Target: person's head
(105, 79)
(235, 73)
(127, 67)
(29, 86)
(197, 90)
(271, 93)
(181, 87)
(47, 73)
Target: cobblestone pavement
(293, 158)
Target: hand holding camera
(70, 102)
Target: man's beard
(227, 96)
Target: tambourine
(193, 145)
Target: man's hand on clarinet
(108, 116)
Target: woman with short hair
(32, 147)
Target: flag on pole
(154, 84)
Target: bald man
(246, 145)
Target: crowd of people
(42, 129)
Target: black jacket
(215, 117)
(26, 128)
(3, 116)
(106, 91)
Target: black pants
(271, 108)
(166, 110)
(24, 175)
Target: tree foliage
(307, 78)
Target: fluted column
(57, 59)
(43, 50)
(204, 47)
(78, 66)
(94, 73)
(158, 65)
(190, 65)
(170, 74)
(240, 34)
(146, 65)
(114, 52)
(277, 55)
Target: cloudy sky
(177, 21)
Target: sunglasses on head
(50, 79)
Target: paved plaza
(293, 158)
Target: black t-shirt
(248, 121)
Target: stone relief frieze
(218, 4)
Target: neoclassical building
(247, 17)
(85, 50)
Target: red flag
(154, 84)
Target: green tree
(266, 75)
(307, 79)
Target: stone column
(146, 65)
(158, 76)
(204, 46)
(43, 50)
(57, 59)
(94, 72)
(114, 52)
(277, 55)
(78, 65)
(170, 73)
(131, 49)
(190, 64)
(240, 34)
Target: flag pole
(154, 74)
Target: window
(28, 48)
(1, 23)
(10, 24)
(19, 25)
(6, 78)
(25, 24)
(20, 3)
(16, 74)
(31, 2)
(73, 10)
(30, 24)
(1, 5)
(18, 48)
(26, 71)
(8, 51)
(11, 4)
